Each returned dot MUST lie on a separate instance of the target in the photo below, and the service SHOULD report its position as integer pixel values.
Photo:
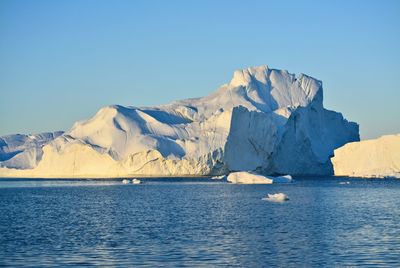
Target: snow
(264, 120)
(376, 158)
(244, 177)
(278, 197)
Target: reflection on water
(198, 222)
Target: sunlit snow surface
(369, 158)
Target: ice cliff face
(300, 144)
(369, 158)
(264, 119)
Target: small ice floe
(136, 181)
(283, 179)
(244, 177)
(250, 177)
(125, 181)
(344, 182)
(218, 177)
(279, 197)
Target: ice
(264, 120)
(376, 158)
(283, 179)
(278, 197)
(248, 178)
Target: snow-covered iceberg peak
(246, 76)
(271, 89)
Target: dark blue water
(199, 223)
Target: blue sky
(60, 61)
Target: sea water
(199, 222)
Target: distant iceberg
(264, 120)
(376, 158)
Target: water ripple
(199, 223)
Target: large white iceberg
(265, 120)
(369, 158)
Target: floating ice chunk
(279, 197)
(244, 177)
(136, 181)
(253, 178)
(283, 179)
(125, 181)
(218, 177)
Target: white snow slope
(369, 158)
(265, 120)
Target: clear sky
(60, 61)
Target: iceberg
(24, 151)
(244, 177)
(221, 177)
(375, 158)
(136, 181)
(279, 197)
(264, 120)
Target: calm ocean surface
(199, 222)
